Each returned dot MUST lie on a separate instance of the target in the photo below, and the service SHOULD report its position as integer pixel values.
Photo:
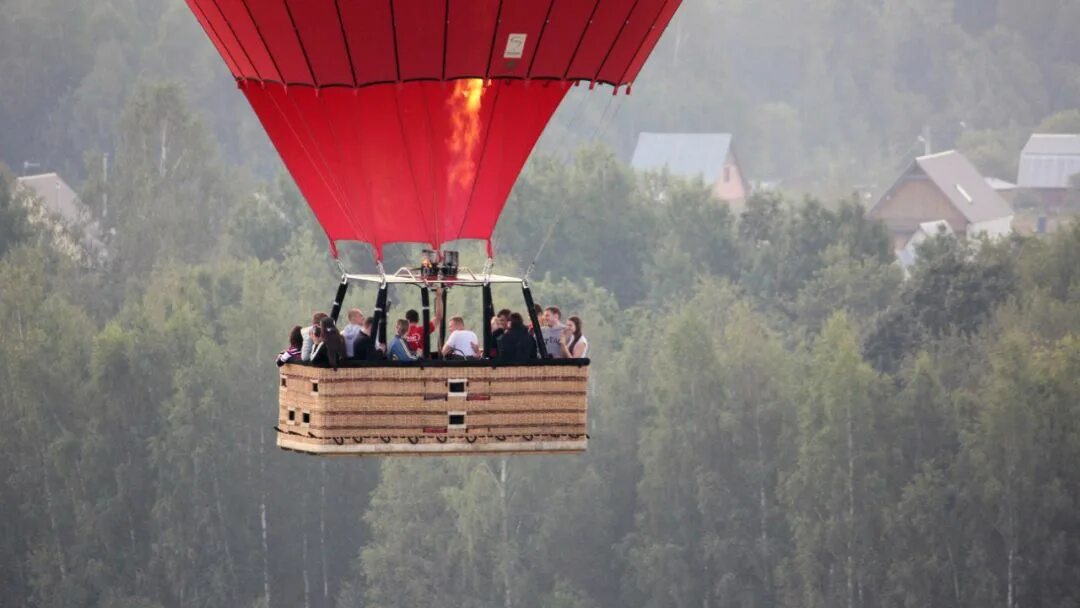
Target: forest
(778, 415)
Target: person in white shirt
(461, 342)
(350, 331)
(572, 344)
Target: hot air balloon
(409, 121)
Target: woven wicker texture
(439, 410)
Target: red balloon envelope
(409, 120)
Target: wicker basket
(442, 408)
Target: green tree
(835, 492)
(13, 225)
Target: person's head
(552, 316)
(316, 334)
(328, 327)
(504, 318)
(356, 316)
(573, 325)
(539, 310)
(319, 316)
(457, 323)
(369, 324)
(412, 316)
(516, 321)
(296, 336)
(402, 327)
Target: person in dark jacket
(516, 345)
(331, 352)
(364, 347)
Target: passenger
(572, 344)
(305, 350)
(552, 331)
(356, 324)
(461, 343)
(499, 324)
(399, 349)
(539, 317)
(330, 351)
(317, 343)
(516, 345)
(415, 336)
(364, 345)
(296, 343)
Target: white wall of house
(995, 228)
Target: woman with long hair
(332, 350)
(296, 343)
(573, 344)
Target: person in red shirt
(414, 338)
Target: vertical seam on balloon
(303, 50)
(408, 153)
(232, 30)
(494, 39)
(345, 39)
(266, 46)
(213, 33)
(326, 168)
(539, 39)
(644, 39)
(584, 33)
(445, 35)
(480, 161)
(615, 42)
(393, 33)
(307, 153)
(431, 171)
(346, 194)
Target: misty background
(778, 416)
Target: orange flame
(465, 115)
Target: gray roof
(1049, 160)
(684, 154)
(61, 201)
(960, 182)
(56, 195)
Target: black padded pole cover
(538, 334)
(425, 305)
(489, 312)
(379, 322)
(339, 299)
(442, 322)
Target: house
(1048, 163)
(943, 186)
(926, 230)
(61, 209)
(1006, 189)
(709, 156)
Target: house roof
(1049, 160)
(684, 154)
(1000, 184)
(61, 201)
(56, 195)
(954, 175)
